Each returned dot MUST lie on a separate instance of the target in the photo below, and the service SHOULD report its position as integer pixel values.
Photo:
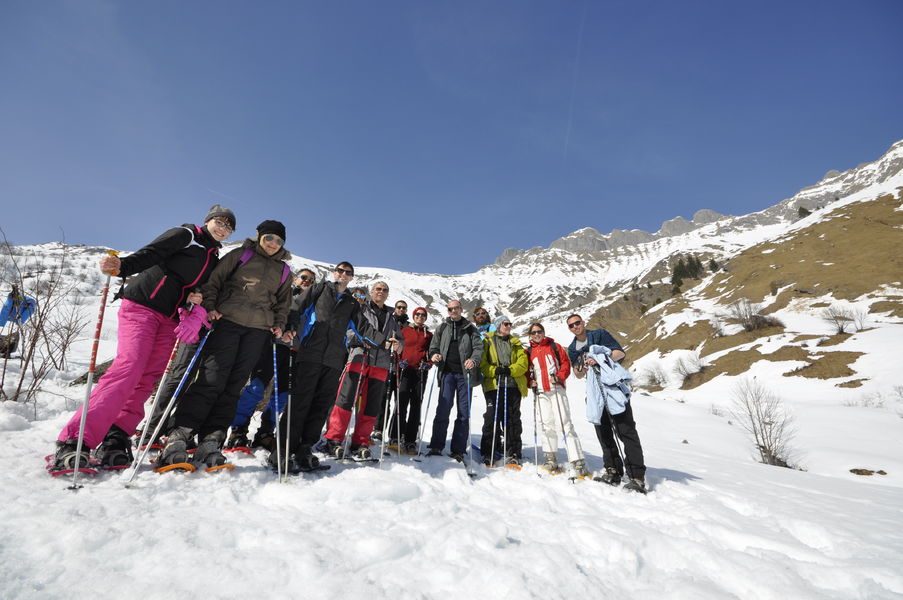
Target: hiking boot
(362, 453)
(264, 440)
(635, 484)
(333, 448)
(176, 449)
(551, 463)
(457, 456)
(513, 461)
(580, 470)
(238, 439)
(64, 457)
(610, 476)
(209, 451)
(434, 452)
(486, 461)
(306, 460)
(410, 448)
(293, 466)
(115, 450)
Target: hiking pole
(535, 435)
(276, 416)
(398, 407)
(611, 421)
(422, 426)
(172, 401)
(495, 420)
(387, 426)
(352, 422)
(160, 386)
(91, 368)
(288, 407)
(470, 472)
(505, 426)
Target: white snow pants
(555, 416)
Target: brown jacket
(251, 294)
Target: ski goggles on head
(273, 239)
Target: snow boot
(635, 484)
(410, 449)
(333, 448)
(457, 456)
(512, 461)
(209, 451)
(238, 439)
(580, 470)
(293, 466)
(551, 464)
(176, 449)
(265, 440)
(434, 452)
(306, 459)
(610, 476)
(362, 453)
(116, 449)
(64, 457)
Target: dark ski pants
(392, 384)
(263, 372)
(227, 359)
(630, 440)
(512, 432)
(169, 386)
(452, 385)
(313, 395)
(410, 398)
(369, 403)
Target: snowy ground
(716, 525)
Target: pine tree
(713, 266)
(803, 212)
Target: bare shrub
(838, 318)
(860, 319)
(688, 364)
(748, 315)
(48, 335)
(653, 376)
(762, 415)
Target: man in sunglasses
(481, 320)
(363, 387)
(321, 319)
(303, 281)
(624, 423)
(401, 317)
(456, 350)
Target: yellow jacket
(490, 360)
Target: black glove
(503, 371)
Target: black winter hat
(271, 227)
(223, 213)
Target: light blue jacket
(608, 387)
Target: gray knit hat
(499, 320)
(223, 213)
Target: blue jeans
(452, 383)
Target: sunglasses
(574, 324)
(273, 238)
(306, 278)
(420, 314)
(401, 308)
(482, 313)
(342, 271)
(223, 225)
(537, 332)
(381, 289)
(360, 296)
(506, 324)
(454, 308)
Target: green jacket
(519, 363)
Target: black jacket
(169, 268)
(326, 342)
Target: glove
(188, 331)
(503, 371)
(402, 364)
(425, 366)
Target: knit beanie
(499, 320)
(223, 213)
(271, 227)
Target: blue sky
(430, 136)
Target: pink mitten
(190, 321)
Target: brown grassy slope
(862, 241)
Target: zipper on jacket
(159, 285)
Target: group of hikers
(237, 333)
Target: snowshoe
(513, 463)
(434, 452)
(265, 440)
(115, 452)
(394, 446)
(410, 449)
(610, 476)
(458, 456)
(64, 462)
(332, 448)
(635, 484)
(293, 467)
(580, 470)
(209, 451)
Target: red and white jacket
(549, 364)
